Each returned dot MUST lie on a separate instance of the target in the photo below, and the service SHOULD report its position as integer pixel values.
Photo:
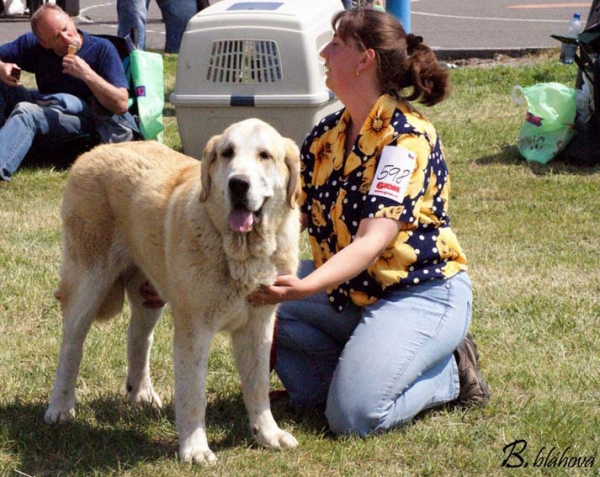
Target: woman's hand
(285, 288)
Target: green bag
(148, 81)
(550, 121)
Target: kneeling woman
(375, 326)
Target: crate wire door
(244, 61)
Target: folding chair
(584, 148)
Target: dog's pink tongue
(240, 220)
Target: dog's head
(249, 167)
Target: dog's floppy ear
(209, 155)
(292, 161)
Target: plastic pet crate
(260, 59)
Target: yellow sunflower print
(352, 162)
(394, 263)
(368, 174)
(428, 215)
(420, 146)
(320, 250)
(336, 198)
(339, 224)
(317, 214)
(328, 156)
(360, 298)
(448, 246)
(377, 129)
(390, 212)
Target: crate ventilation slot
(244, 61)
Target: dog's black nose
(239, 187)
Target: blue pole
(401, 10)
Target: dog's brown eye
(227, 152)
(264, 155)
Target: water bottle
(567, 53)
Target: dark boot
(474, 391)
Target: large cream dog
(205, 239)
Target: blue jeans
(31, 114)
(175, 13)
(378, 366)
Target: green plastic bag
(550, 121)
(148, 81)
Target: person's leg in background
(133, 14)
(28, 119)
(9, 98)
(176, 14)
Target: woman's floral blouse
(339, 190)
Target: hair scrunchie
(412, 41)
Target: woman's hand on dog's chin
(285, 288)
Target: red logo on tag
(385, 185)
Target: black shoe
(474, 391)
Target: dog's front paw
(197, 455)
(54, 415)
(144, 397)
(278, 439)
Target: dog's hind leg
(139, 342)
(252, 346)
(81, 299)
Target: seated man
(81, 83)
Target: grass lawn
(531, 233)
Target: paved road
(453, 25)
(447, 25)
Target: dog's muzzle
(241, 218)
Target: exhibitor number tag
(394, 170)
